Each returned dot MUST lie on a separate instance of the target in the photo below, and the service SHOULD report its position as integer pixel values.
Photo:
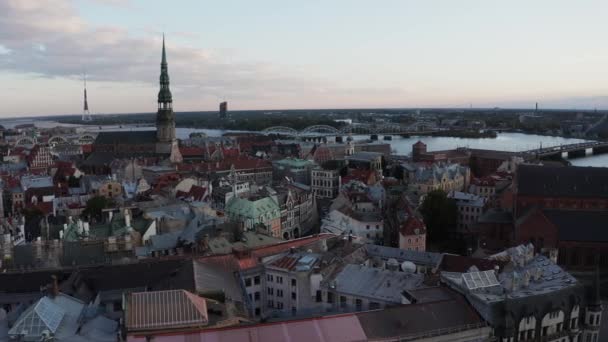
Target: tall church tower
(165, 118)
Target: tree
(94, 207)
(440, 214)
(73, 182)
(33, 216)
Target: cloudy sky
(277, 54)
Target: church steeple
(165, 119)
(164, 95)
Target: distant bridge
(355, 128)
(78, 139)
(573, 150)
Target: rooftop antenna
(86, 115)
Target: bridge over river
(382, 129)
(573, 150)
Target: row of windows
(343, 301)
(323, 182)
(256, 281)
(256, 296)
(467, 217)
(279, 279)
(279, 292)
(594, 319)
(469, 209)
(324, 193)
(373, 236)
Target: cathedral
(161, 143)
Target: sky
(271, 54)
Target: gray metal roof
(419, 258)
(374, 283)
(527, 276)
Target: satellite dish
(408, 266)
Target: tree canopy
(94, 207)
(440, 214)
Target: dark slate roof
(579, 225)
(418, 319)
(568, 181)
(156, 275)
(30, 281)
(105, 158)
(99, 158)
(458, 263)
(126, 137)
(495, 215)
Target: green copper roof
(294, 163)
(164, 95)
(253, 209)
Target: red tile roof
(197, 193)
(361, 175)
(336, 328)
(246, 259)
(88, 148)
(192, 151)
(411, 224)
(240, 163)
(45, 207)
(286, 262)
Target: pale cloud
(49, 39)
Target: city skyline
(313, 55)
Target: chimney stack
(526, 281)
(54, 290)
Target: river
(513, 142)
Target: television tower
(86, 115)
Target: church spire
(165, 118)
(164, 95)
(164, 59)
(86, 115)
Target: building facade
(255, 212)
(325, 180)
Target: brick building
(564, 209)
(40, 158)
(555, 187)
(579, 236)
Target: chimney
(538, 273)
(514, 282)
(54, 290)
(526, 281)
(205, 242)
(128, 219)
